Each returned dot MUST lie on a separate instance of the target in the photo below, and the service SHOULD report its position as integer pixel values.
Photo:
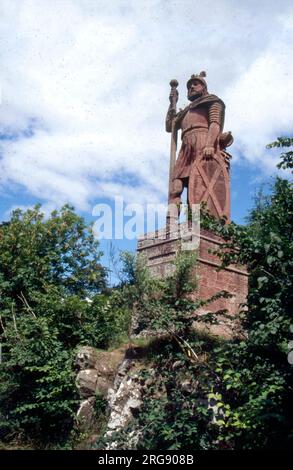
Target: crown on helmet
(199, 77)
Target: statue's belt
(191, 128)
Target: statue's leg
(174, 201)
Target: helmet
(199, 77)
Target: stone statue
(202, 164)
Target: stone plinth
(160, 251)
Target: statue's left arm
(216, 112)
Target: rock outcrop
(124, 400)
(96, 374)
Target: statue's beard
(193, 96)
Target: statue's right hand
(173, 97)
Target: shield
(209, 182)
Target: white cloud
(85, 88)
(260, 100)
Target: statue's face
(195, 90)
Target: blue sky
(85, 84)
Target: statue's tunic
(207, 180)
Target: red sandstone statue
(202, 164)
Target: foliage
(286, 157)
(59, 251)
(51, 302)
(175, 414)
(164, 305)
(37, 392)
(100, 405)
(111, 321)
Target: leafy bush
(51, 302)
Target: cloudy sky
(85, 86)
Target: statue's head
(196, 86)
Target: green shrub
(51, 302)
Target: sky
(85, 85)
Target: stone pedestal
(160, 251)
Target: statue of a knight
(202, 164)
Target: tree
(48, 268)
(59, 251)
(286, 157)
